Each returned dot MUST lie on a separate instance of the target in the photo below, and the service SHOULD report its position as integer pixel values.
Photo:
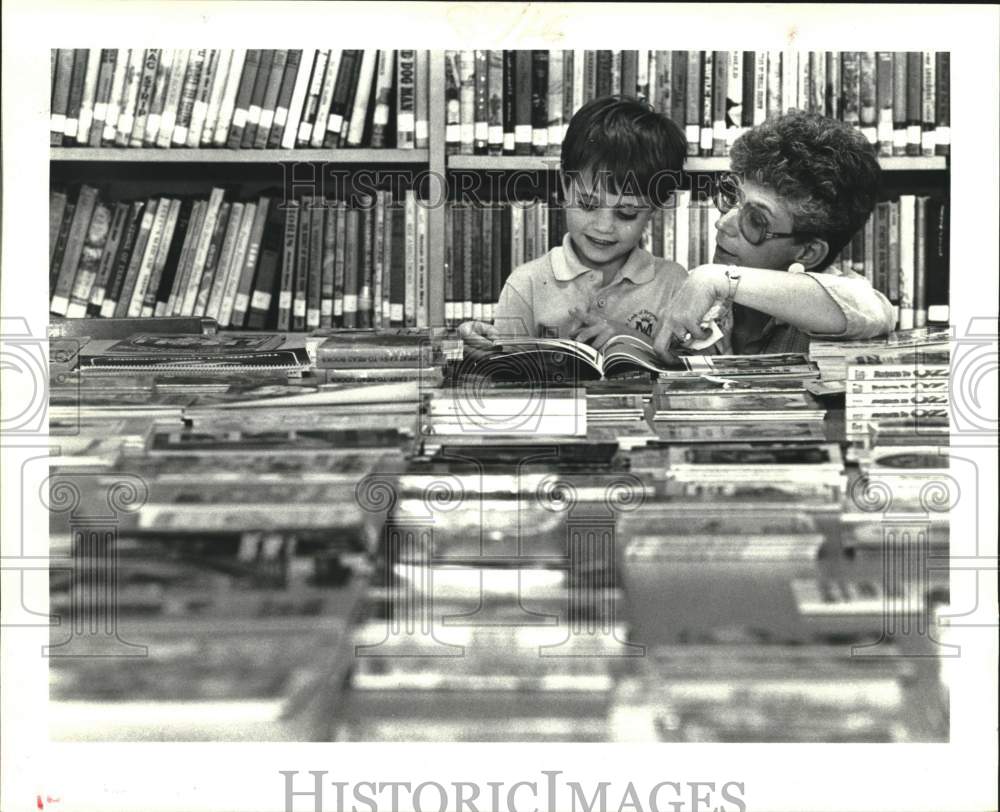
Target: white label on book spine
(938, 313)
(871, 134)
(334, 123)
(261, 301)
(253, 114)
(496, 134)
(387, 311)
(338, 308)
(84, 122)
(180, 135)
(397, 312)
(285, 300)
(899, 139)
(97, 297)
(928, 141)
(555, 130)
(422, 130)
(719, 130)
(692, 132)
(468, 133)
(305, 132)
(913, 134)
(452, 133)
(59, 305)
(107, 309)
(943, 136)
(477, 311)
(199, 111)
(125, 122)
(100, 111)
(707, 136)
(239, 117)
(482, 131)
(539, 137)
(350, 303)
(147, 311)
(69, 130)
(449, 311)
(76, 311)
(508, 142)
(885, 132)
(381, 115)
(57, 122)
(326, 307)
(522, 134)
(312, 317)
(299, 308)
(240, 303)
(405, 122)
(280, 116)
(487, 312)
(266, 119)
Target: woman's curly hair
(824, 169)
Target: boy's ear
(812, 253)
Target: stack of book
(380, 357)
(832, 356)
(294, 265)
(239, 98)
(520, 102)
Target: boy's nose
(604, 220)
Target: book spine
(236, 264)
(340, 265)
(907, 260)
(720, 96)
(881, 215)
(706, 111)
(774, 77)
(147, 305)
(555, 102)
(893, 277)
(197, 62)
(302, 257)
(929, 111)
(481, 115)
(352, 89)
(629, 73)
(122, 260)
(869, 248)
(682, 228)
(190, 293)
(920, 263)
(83, 212)
(516, 236)
(422, 125)
(406, 109)
(789, 79)
(124, 296)
(213, 260)
(378, 258)
(733, 112)
(883, 101)
(470, 272)
(257, 98)
(158, 97)
(616, 73)
(57, 207)
(228, 101)
(71, 125)
(850, 78)
(287, 290)
(172, 99)
(106, 264)
(397, 267)
(899, 96)
(270, 101)
(327, 265)
(467, 101)
(867, 96)
(220, 80)
(450, 320)
(803, 93)
(367, 263)
(130, 93)
(186, 261)
(199, 109)
(262, 303)
(817, 66)
(244, 93)
(251, 261)
(90, 258)
(385, 300)
(289, 83)
(57, 247)
(693, 98)
(310, 107)
(422, 247)
(314, 293)
(539, 102)
(938, 309)
(366, 75)
(383, 97)
(662, 88)
(147, 84)
(179, 244)
(496, 260)
(410, 283)
(290, 128)
(481, 310)
(914, 102)
(452, 103)
(589, 76)
(495, 102)
(60, 95)
(352, 263)
(105, 77)
(942, 104)
(332, 98)
(522, 102)
(118, 82)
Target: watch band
(734, 277)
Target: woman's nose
(728, 222)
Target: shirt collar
(566, 266)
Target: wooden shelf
(535, 163)
(238, 156)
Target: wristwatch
(734, 276)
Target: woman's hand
(703, 288)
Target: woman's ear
(812, 253)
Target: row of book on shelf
(299, 265)
(239, 98)
(726, 575)
(317, 263)
(520, 102)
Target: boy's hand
(704, 286)
(595, 329)
(478, 334)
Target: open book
(565, 359)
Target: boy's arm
(817, 304)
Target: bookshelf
(143, 171)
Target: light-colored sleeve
(514, 314)
(867, 312)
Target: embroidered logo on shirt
(644, 321)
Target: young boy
(620, 158)
(802, 185)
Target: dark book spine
(589, 75)
(340, 265)
(367, 263)
(60, 95)
(269, 104)
(938, 310)
(302, 258)
(481, 109)
(257, 98)
(522, 103)
(338, 107)
(458, 261)
(850, 78)
(899, 96)
(314, 293)
(263, 301)
(119, 222)
(495, 102)
(929, 108)
(166, 282)
(352, 263)
(630, 73)
(914, 102)
(883, 101)
(604, 60)
(287, 290)
(942, 104)
(244, 95)
(539, 101)
(397, 266)
(452, 104)
(692, 106)
(485, 264)
(749, 89)
(329, 260)
(59, 249)
(509, 117)
(75, 99)
(293, 64)
(123, 260)
(496, 258)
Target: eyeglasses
(752, 219)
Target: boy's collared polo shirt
(538, 296)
